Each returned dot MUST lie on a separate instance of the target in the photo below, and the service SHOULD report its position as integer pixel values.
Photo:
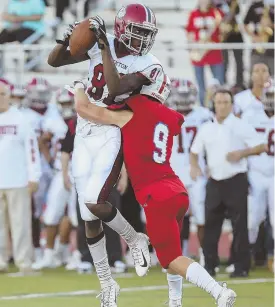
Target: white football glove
(76, 84)
(97, 25)
(67, 34)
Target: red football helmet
(183, 95)
(135, 27)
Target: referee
(227, 142)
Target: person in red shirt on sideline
(148, 128)
(203, 27)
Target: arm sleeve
(32, 154)
(198, 143)
(249, 135)
(239, 104)
(67, 144)
(148, 65)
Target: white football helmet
(160, 89)
(65, 103)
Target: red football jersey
(148, 141)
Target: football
(82, 39)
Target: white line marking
(133, 289)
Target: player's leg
(65, 228)
(197, 202)
(19, 211)
(271, 218)
(55, 209)
(38, 201)
(3, 232)
(270, 181)
(256, 205)
(82, 166)
(166, 241)
(106, 170)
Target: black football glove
(97, 25)
(67, 34)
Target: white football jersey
(245, 102)
(263, 163)
(34, 118)
(180, 158)
(57, 126)
(50, 121)
(98, 93)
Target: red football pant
(164, 222)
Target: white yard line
(133, 289)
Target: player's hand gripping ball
(97, 25)
(82, 38)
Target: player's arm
(60, 55)
(100, 115)
(196, 149)
(116, 84)
(33, 157)
(253, 141)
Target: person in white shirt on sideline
(19, 175)
(227, 141)
(250, 100)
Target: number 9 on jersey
(160, 140)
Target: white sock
(101, 264)
(175, 286)
(198, 276)
(123, 228)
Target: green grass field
(60, 288)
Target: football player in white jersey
(183, 98)
(97, 157)
(38, 110)
(58, 197)
(250, 99)
(261, 169)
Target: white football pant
(197, 192)
(58, 199)
(96, 165)
(260, 200)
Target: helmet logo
(121, 13)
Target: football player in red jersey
(148, 128)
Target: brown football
(82, 39)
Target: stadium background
(172, 50)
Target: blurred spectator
(61, 5)
(212, 87)
(231, 34)
(227, 141)
(250, 99)
(203, 27)
(19, 175)
(259, 24)
(21, 19)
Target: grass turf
(56, 281)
